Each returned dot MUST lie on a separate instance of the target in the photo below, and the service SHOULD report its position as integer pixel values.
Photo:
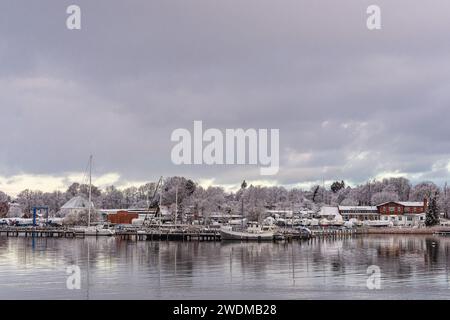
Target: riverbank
(406, 230)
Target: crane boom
(151, 204)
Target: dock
(135, 235)
(167, 236)
(334, 232)
(39, 232)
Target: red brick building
(122, 217)
(402, 207)
(403, 213)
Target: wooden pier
(149, 234)
(39, 232)
(168, 236)
(334, 232)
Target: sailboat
(98, 230)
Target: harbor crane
(153, 204)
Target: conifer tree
(432, 213)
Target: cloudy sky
(350, 103)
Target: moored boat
(96, 231)
(377, 223)
(251, 234)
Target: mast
(160, 212)
(90, 190)
(176, 204)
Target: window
(409, 218)
(392, 209)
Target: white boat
(252, 234)
(336, 223)
(313, 222)
(96, 231)
(377, 223)
(22, 222)
(355, 222)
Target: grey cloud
(140, 69)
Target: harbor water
(411, 267)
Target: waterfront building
(403, 213)
(330, 213)
(280, 213)
(400, 213)
(360, 213)
(75, 206)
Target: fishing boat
(253, 233)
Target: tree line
(250, 199)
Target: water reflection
(411, 266)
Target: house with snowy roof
(403, 213)
(75, 206)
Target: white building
(75, 206)
(330, 213)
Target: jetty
(334, 232)
(39, 232)
(143, 234)
(139, 235)
(436, 230)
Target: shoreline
(425, 230)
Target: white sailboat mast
(176, 203)
(90, 190)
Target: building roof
(329, 211)
(77, 202)
(279, 211)
(412, 203)
(356, 208)
(405, 203)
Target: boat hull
(246, 236)
(99, 233)
(94, 232)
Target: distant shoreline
(391, 230)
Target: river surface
(411, 267)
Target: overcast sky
(350, 103)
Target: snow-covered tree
(444, 202)
(4, 197)
(423, 191)
(4, 209)
(384, 196)
(112, 198)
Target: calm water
(412, 267)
